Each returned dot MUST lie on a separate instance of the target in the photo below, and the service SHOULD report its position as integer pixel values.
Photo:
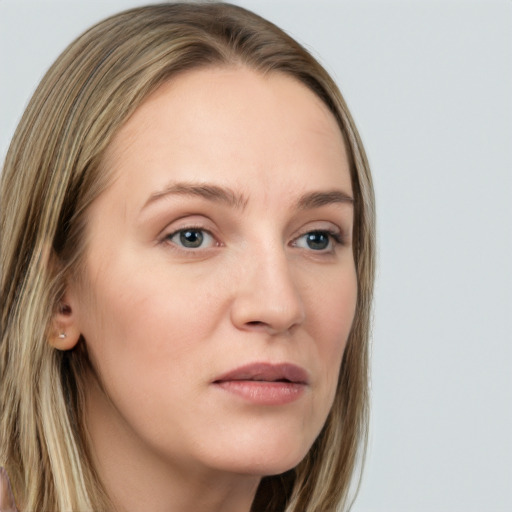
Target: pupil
(317, 241)
(191, 238)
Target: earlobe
(64, 333)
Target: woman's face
(219, 286)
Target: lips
(264, 384)
(266, 372)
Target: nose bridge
(267, 295)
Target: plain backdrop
(430, 86)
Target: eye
(191, 238)
(318, 240)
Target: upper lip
(267, 372)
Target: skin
(162, 321)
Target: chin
(262, 457)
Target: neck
(136, 477)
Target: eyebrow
(236, 200)
(318, 199)
(204, 190)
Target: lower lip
(264, 393)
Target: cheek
(144, 319)
(332, 304)
(332, 311)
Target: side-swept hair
(53, 172)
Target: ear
(64, 333)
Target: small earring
(63, 336)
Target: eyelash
(168, 238)
(335, 238)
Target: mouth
(265, 383)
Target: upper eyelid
(185, 228)
(185, 223)
(326, 226)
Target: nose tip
(268, 300)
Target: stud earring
(62, 335)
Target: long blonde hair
(53, 172)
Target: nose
(267, 297)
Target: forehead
(231, 124)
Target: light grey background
(430, 85)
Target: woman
(187, 247)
